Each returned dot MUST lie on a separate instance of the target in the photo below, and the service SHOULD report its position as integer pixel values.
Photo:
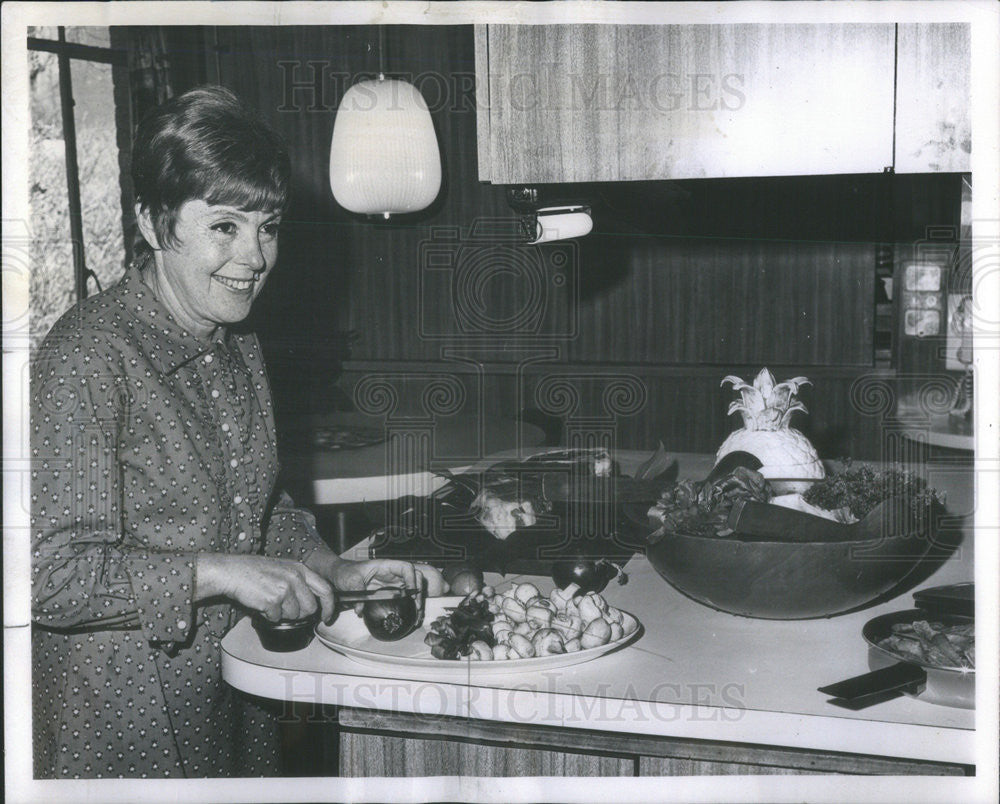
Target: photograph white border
(983, 17)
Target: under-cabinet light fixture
(556, 223)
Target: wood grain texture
(401, 744)
(641, 300)
(772, 272)
(380, 755)
(572, 103)
(669, 766)
(682, 406)
(748, 301)
(665, 766)
(483, 101)
(933, 125)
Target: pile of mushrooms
(526, 624)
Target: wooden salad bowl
(811, 569)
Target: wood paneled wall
(684, 407)
(678, 306)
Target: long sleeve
(291, 532)
(87, 572)
(145, 456)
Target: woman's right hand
(279, 588)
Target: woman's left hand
(346, 575)
(375, 573)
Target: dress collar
(171, 345)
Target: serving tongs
(564, 487)
(382, 593)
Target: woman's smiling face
(218, 263)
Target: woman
(155, 521)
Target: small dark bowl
(285, 636)
(787, 580)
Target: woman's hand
(348, 575)
(279, 588)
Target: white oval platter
(349, 636)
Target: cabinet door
(386, 755)
(376, 743)
(579, 103)
(933, 128)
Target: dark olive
(390, 620)
(589, 575)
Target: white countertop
(695, 673)
(407, 459)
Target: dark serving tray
(448, 538)
(584, 514)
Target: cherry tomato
(463, 578)
(467, 582)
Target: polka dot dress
(148, 446)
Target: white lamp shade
(384, 156)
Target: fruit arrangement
(522, 623)
(846, 495)
(767, 408)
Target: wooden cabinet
(933, 127)
(581, 103)
(385, 755)
(588, 103)
(399, 744)
(374, 743)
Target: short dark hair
(207, 144)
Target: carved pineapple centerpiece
(767, 408)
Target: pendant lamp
(384, 156)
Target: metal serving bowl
(948, 686)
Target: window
(77, 244)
